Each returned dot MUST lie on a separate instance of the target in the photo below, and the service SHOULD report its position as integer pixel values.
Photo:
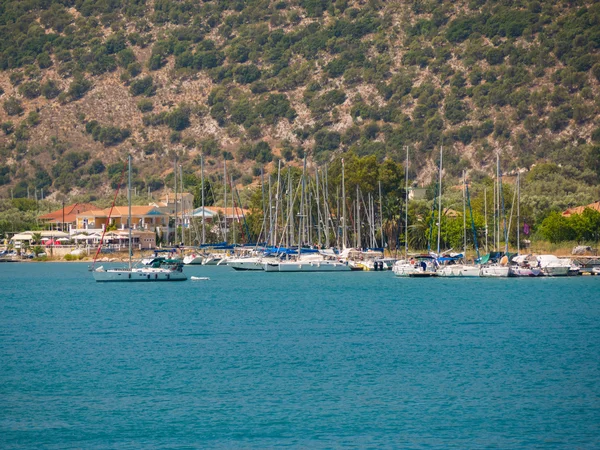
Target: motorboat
(553, 266)
(193, 259)
(213, 259)
(522, 267)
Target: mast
(337, 214)
(182, 205)
(343, 206)
(486, 217)
(129, 214)
(357, 220)
(264, 206)
(202, 185)
(439, 236)
(494, 216)
(464, 216)
(271, 240)
(277, 203)
(225, 197)
(301, 222)
(406, 207)
(518, 211)
(290, 237)
(504, 227)
(318, 206)
(472, 222)
(381, 218)
(326, 207)
(233, 212)
(175, 181)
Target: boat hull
(412, 270)
(137, 275)
(211, 261)
(312, 266)
(556, 271)
(525, 272)
(459, 271)
(193, 260)
(249, 264)
(495, 271)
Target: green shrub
(178, 119)
(44, 61)
(143, 86)
(7, 127)
(30, 89)
(50, 89)
(13, 106)
(152, 147)
(326, 140)
(78, 88)
(145, 105)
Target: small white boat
(199, 278)
(522, 267)
(193, 259)
(553, 266)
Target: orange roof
(580, 209)
(121, 211)
(70, 212)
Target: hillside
(83, 83)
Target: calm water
(314, 361)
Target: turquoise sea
(262, 360)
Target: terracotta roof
(70, 212)
(580, 209)
(121, 211)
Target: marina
(301, 360)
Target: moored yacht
(417, 266)
(553, 266)
(159, 269)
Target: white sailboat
(461, 270)
(499, 268)
(162, 269)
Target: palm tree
(36, 238)
(419, 233)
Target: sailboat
(496, 264)
(419, 265)
(306, 260)
(462, 270)
(161, 269)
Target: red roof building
(580, 209)
(66, 215)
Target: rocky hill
(84, 82)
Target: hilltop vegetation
(253, 82)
